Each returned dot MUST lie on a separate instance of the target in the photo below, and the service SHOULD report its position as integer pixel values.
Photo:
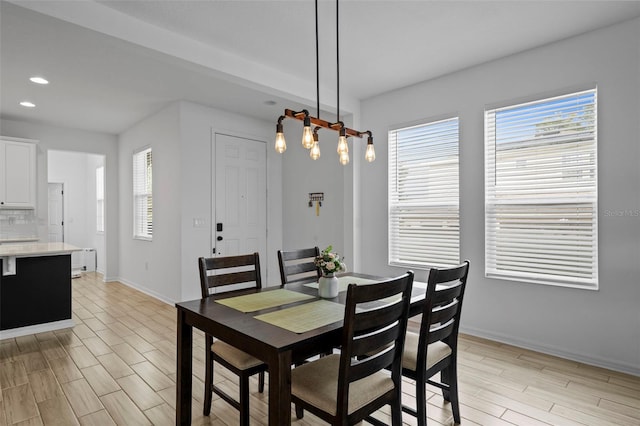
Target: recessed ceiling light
(39, 80)
(27, 104)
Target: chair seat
(317, 383)
(239, 359)
(436, 352)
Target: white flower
(329, 262)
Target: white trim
(146, 291)
(627, 368)
(22, 140)
(35, 329)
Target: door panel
(240, 197)
(56, 213)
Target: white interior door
(56, 212)
(240, 194)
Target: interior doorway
(56, 212)
(83, 206)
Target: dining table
(281, 326)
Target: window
(142, 195)
(100, 199)
(424, 223)
(540, 191)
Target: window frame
(437, 248)
(573, 203)
(143, 158)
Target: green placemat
(263, 300)
(343, 282)
(303, 318)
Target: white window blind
(142, 195)
(541, 191)
(424, 224)
(100, 199)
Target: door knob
(219, 238)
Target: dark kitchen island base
(38, 293)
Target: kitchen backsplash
(18, 224)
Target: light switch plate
(199, 222)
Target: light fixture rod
(323, 123)
(337, 64)
(317, 66)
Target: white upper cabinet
(17, 173)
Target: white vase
(328, 286)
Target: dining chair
(435, 348)
(345, 389)
(298, 265)
(239, 270)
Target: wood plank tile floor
(117, 366)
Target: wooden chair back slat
(300, 268)
(372, 319)
(445, 295)
(298, 265)
(231, 278)
(441, 332)
(300, 253)
(248, 263)
(442, 314)
(365, 345)
(368, 366)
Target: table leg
(280, 389)
(184, 370)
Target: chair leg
(244, 400)
(421, 401)
(396, 413)
(445, 378)
(261, 382)
(208, 383)
(299, 411)
(453, 392)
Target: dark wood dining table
(275, 346)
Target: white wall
(600, 327)
(302, 175)
(197, 125)
(153, 266)
(180, 137)
(65, 139)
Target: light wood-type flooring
(117, 366)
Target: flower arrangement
(330, 263)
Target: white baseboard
(146, 291)
(536, 346)
(34, 329)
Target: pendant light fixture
(310, 137)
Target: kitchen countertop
(36, 249)
(18, 240)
